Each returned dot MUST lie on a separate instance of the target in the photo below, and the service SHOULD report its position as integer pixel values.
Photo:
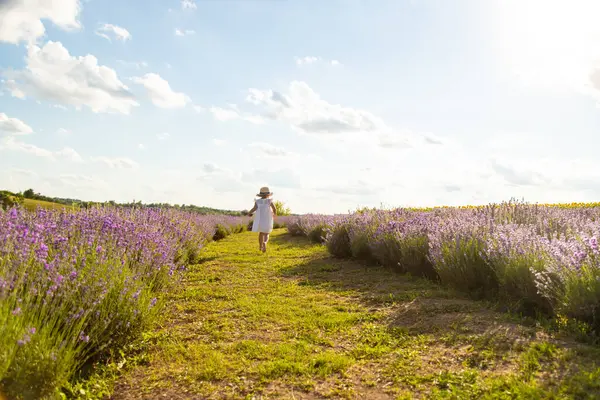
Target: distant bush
(281, 209)
(9, 200)
(221, 232)
(239, 228)
(32, 195)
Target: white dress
(263, 218)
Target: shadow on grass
(371, 282)
(204, 259)
(287, 241)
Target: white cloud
(117, 32)
(53, 74)
(282, 178)
(198, 108)
(13, 126)
(63, 132)
(21, 20)
(163, 136)
(308, 113)
(188, 5)
(79, 181)
(160, 91)
(69, 154)
(12, 87)
(304, 109)
(231, 114)
(24, 172)
(186, 32)
(308, 60)
(11, 144)
(545, 174)
(141, 146)
(517, 175)
(270, 150)
(219, 142)
(404, 139)
(357, 188)
(117, 162)
(220, 179)
(254, 119)
(66, 153)
(391, 141)
(433, 139)
(223, 114)
(210, 168)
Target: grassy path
(297, 324)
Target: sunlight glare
(551, 43)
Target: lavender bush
(456, 250)
(77, 284)
(536, 259)
(571, 279)
(312, 225)
(402, 243)
(516, 254)
(337, 238)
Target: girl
(263, 223)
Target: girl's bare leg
(266, 239)
(260, 240)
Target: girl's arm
(253, 209)
(274, 209)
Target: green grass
(295, 323)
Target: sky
(333, 104)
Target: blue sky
(333, 104)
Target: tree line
(9, 199)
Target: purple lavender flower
(83, 337)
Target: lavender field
(78, 285)
(536, 260)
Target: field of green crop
(32, 204)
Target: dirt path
(298, 324)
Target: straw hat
(264, 191)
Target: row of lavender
(77, 285)
(537, 259)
